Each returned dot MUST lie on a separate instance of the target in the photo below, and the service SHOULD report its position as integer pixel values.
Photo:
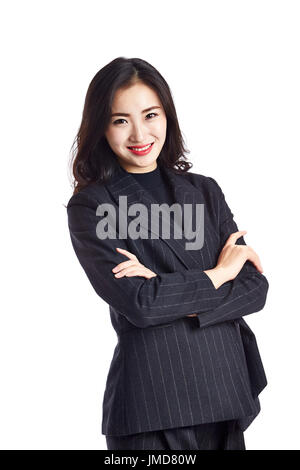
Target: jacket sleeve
(144, 302)
(248, 291)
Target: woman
(186, 371)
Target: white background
(233, 69)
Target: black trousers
(223, 435)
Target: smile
(141, 150)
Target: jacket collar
(124, 184)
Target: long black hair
(92, 158)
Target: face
(138, 119)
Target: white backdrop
(233, 69)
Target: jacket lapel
(124, 184)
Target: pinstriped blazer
(169, 370)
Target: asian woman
(186, 371)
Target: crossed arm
(249, 288)
(165, 297)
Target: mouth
(140, 147)
(141, 150)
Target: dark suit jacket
(169, 370)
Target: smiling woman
(137, 140)
(135, 92)
(142, 133)
(186, 371)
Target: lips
(141, 152)
(140, 146)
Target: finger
(254, 258)
(235, 236)
(127, 253)
(130, 272)
(123, 265)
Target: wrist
(217, 275)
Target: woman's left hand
(132, 267)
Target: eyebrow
(144, 111)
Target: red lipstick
(140, 152)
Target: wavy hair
(92, 159)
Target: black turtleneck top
(156, 183)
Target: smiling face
(138, 119)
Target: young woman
(186, 371)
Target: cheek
(161, 129)
(115, 137)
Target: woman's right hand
(231, 260)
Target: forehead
(138, 96)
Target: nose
(137, 134)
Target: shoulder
(89, 196)
(82, 207)
(207, 184)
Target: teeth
(141, 149)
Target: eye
(154, 114)
(121, 119)
(117, 121)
